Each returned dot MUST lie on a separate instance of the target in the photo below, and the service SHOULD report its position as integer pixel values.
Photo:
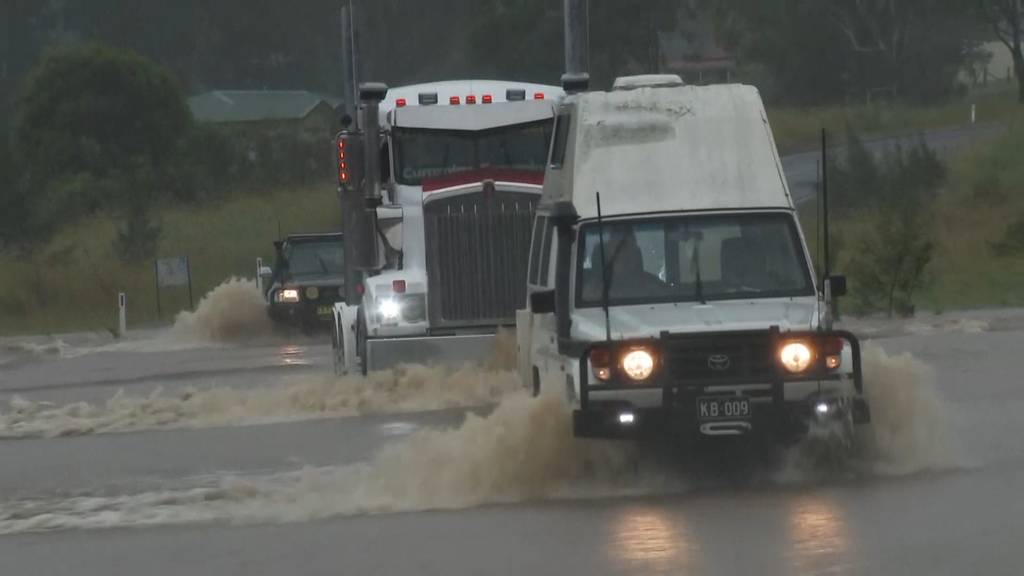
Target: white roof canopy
(654, 149)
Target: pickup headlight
(638, 364)
(795, 356)
(287, 295)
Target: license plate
(723, 408)
(324, 310)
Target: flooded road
(165, 455)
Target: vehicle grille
(703, 358)
(477, 250)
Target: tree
(88, 118)
(891, 199)
(1007, 20)
(822, 50)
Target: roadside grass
(72, 282)
(799, 129)
(983, 196)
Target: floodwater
(217, 450)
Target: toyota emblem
(719, 362)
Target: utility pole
(349, 69)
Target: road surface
(252, 465)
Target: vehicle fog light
(312, 293)
(638, 364)
(832, 362)
(822, 408)
(795, 356)
(603, 372)
(626, 418)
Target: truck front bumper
(778, 406)
(382, 353)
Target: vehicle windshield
(692, 258)
(427, 153)
(315, 258)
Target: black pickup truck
(307, 279)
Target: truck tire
(361, 342)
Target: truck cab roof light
(513, 94)
(401, 102)
(427, 98)
(538, 96)
(488, 99)
(471, 99)
(454, 100)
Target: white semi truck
(671, 293)
(439, 184)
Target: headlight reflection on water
(648, 540)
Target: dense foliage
(890, 197)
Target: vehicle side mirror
(837, 284)
(542, 302)
(266, 271)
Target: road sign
(172, 271)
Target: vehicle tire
(337, 353)
(361, 341)
(535, 389)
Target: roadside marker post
(974, 110)
(259, 276)
(122, 314)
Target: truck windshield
(692, 258)
(315, 258)
(429, 153)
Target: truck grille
(477, 250)
(724, 357)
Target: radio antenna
(604, 271)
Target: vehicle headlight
(288, 295)
(795, 356)
(638, 364)
(312, 293)
(389, 309)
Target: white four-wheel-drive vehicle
(671, 292)
(438, 185)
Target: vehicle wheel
(361, 341)
(535, 389)
(336, 350)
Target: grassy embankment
(983, 197)
(71, 284)
(799, 129)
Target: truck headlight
(389, 309)
(638, 364)
(288, 295)
(795, 356)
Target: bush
(890, 198)
(1012, 241)
(889, 258)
